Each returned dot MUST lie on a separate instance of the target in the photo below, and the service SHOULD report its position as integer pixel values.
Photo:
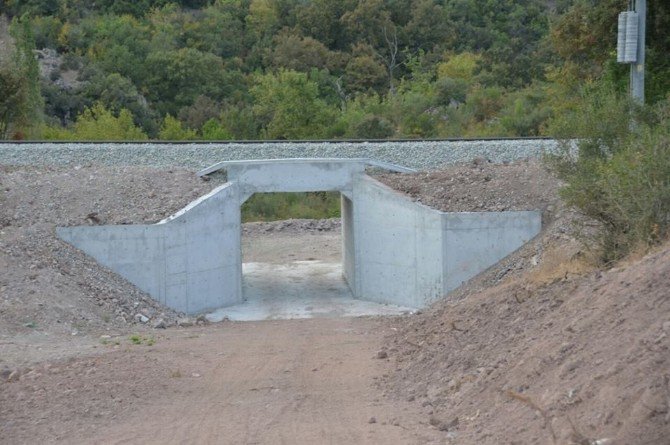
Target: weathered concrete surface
(395, 251)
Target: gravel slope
(421, 155)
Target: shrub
(620, 173)
(279, 206)
(173, 130)
(374, 127)
(98, 124)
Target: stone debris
(141, 318)
(184, 322)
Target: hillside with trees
(319, 69)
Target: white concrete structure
(394, 250)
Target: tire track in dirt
(279, 382)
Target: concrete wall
(411, 255)
(394, 250)
(398, 247)
(190, 262)
(472, 242)
(348, 242)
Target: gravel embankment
(419, 154)
(480, 187)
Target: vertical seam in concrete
(445, 254)
(163, 283)
(186, 267)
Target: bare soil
(542, 348)
(545, 358)
(288, 382)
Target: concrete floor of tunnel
(300, 289)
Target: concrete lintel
(365, 161)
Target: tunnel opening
(293, 260)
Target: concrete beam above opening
(228, 165)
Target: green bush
(620, 173)
(374, 127)
(279, 206)
(98, 124)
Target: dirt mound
(545, 357)
(48, 286)
(479, 186)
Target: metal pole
(637, 69)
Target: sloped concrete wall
(398, 249)
(191, 262)
(411, 255)
(473, 242)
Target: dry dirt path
(274, 382)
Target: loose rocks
(415, 154)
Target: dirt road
(279, 382)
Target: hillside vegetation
(295, 69)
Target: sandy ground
(281, 382)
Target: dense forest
(310, 69)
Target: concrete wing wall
(411, 255)
(190, 262)
(398, 244)
(475, 241)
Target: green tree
(116, 93)
(320, 19)
(289, 107)
(99, 124)
(364, 73)
(220, 30)
(173, 130)
(174, 79)
(620, 173)
(13, 101)
(21, 106)
(212, 130)
(297, 53)
(202, 110)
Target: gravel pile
(419, 154)
(480, 186)
(46, 285)
(293, 226)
